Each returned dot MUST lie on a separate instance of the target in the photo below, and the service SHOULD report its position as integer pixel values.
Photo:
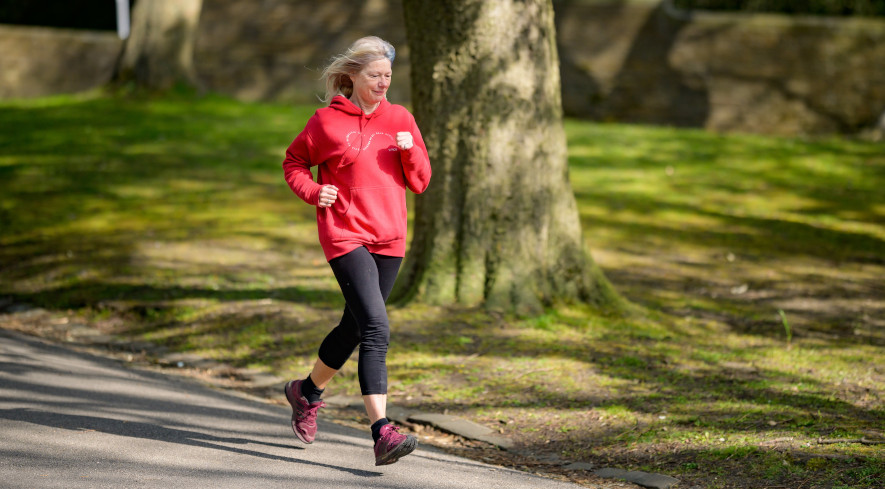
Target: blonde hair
(362, 52)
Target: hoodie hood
(342, 103)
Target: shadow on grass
(86, 181)
(86, 293)
(802, 217)
(830, 177)
(657, 382)
(760, 466)
(748, 235)
(701, 386)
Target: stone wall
(643, 61)
(276, 49)
(36, 61)
(621, 60)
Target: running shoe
(304, 414)
(393, 446)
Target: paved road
(73, 420)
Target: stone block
(644, 479)
(452, 424)
(610, 473)
(652, 481)
(344, 401)
(498, 441)
(399, 414)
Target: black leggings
(366, 280)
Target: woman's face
(371, 83)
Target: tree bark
(160, 49)
(499, 225)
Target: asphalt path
(69, 419)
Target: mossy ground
(756, 264)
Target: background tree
(160, 50)
(499, 225)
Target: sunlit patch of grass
(767, 189)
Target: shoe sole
(286, 389)
(406, 447)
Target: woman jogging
(368, 152)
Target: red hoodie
(357, 153)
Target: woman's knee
(375, 334)
(339, 345)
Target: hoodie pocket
(375, 215)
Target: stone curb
(443, 422)
(462, 427)
(644, 479)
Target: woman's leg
(366, 281)
(305, 395)
(340, 343)
(376, 407)
(322, 374)
(388, 268)
(336, 349)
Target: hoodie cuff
(313, 198)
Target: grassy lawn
(757, 261)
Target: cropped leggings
(366, 280)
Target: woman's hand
(328, 195)
(404, 140)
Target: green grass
(758, 260)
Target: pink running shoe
(304, 414)
(393, 446)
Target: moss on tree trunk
(499, 225)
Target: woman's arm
(296, 167)
(415, 161)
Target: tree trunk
(499, 225)
(160, 49)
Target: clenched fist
(328, 195)
(404, 140)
